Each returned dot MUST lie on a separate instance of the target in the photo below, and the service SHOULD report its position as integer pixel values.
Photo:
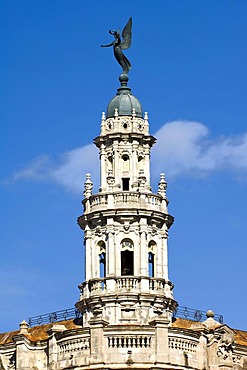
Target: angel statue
(119, 45)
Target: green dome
(124, 101)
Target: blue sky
(189, 72)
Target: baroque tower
(125, 227)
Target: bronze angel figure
(119, 45)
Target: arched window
(102, 260)
(151, 258)
(127, 257)
(125, 163)
(151, 264)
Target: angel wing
(127, 35)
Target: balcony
(103, 286)
(124, 200)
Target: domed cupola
(124, 101)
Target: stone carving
(162, 186)
(88, 186)
(7, 362)
(225, 346)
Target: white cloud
(68, 170)
(183, 148)
(187, 149)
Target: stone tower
(125, 232)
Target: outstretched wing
(127, 35)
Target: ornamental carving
(225, 346)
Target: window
(127, 263)
(125, 183)
(151, 258)
(126, 163)
(127, 257)
(151, 264)
(102, 271)
(102, 259)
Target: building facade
(126, 302)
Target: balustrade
(182, 344)
(73, 345)
(95, 286)
(137, 341)
(124, 199)
(128, 283)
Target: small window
(102, 265)
(125, 183)
(151, 264)
(127, 263)
(126, 163)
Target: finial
(103, 116)
(146, 116)
(210, 314)
(88, 186)
(162, 186)
(134, 112)
(23, 327)
(116, 112)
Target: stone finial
(209, 314)
(133, 112)
(23, 327)
(210, 322)
(162, 186)
(88, 186)
(116, 113)
(103, 116)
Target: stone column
(88, 239)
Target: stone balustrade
(123, 199)
(130, 283)
(74, 345)
(176, 343)
(129, 341)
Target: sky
(189, 72)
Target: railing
(73, 313)
(128, 282)
(194, 315)
(74, 345)
(136, 341)
(124, 199)
(70, 313)
(182, 344)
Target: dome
(124, 101)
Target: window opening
(151, 264)
(127, 263)
(125, 183)
(102, 269)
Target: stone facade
(126, 301)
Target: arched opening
(127, 257)
(151, 258)
(125, 163)
(150, 264)
(102, 260)
(102, 269)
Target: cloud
(68, 170)
(182, 148)
(187, 149)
